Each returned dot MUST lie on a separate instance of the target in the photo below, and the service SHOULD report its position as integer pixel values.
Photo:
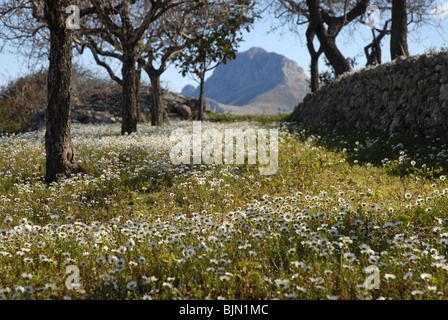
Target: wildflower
(301, 289)
(298, 264)
(387, 225)
(407, 275)
(131, 285)
(28, 260)
(153, 245)
(288, 216)
(81, 291)
(121, 250)
(317, 280)
(113, 259)
(349, 256)
(426, 276)
(120, 263)
(388, 276)
(142, 260)
(105, 277)
(50, 286)
(19, 289)
(27, 276)
(100, 260)
(282, 283)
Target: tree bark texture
(399, 32)
(129, 73)
(60, 156)
(157, 107)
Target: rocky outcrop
(109, 109)
(406, 96)
(256, 81)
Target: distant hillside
(257, 81)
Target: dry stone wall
(406, 96)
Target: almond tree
(219, 27)
(123, 31)
(175, 28)
(404, 16)
(164, 40)
(325, 19)
(29, 20)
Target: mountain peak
(254, 50)
(256, 77)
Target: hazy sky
(280, 41)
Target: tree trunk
(314, 68)
(138, 77)
(201, 97)
(326, 38)
(157, 107)
(334, 56)
(129, 72)
(60, 156)
(399, 32)
(314, 85)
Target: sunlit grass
(138, 227)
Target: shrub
(21, 98)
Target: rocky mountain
(256, 81)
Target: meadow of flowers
(342, 206)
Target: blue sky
(281, 41)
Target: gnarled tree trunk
(60, 156)
(327, 41)
(314, 67)
(327, 36)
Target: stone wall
(406, 96)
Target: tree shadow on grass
(399, 154)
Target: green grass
(138, 227)
(262, 119)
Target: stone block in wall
(443, 94)
(444, 74)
